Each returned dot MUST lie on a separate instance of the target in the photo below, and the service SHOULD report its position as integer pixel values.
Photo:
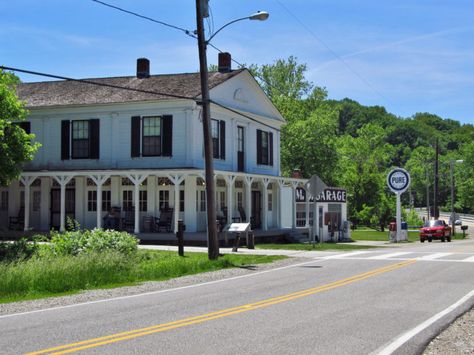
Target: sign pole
(399, 218)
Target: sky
(407, 55)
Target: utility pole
(427, 195)
(436, 180)
(212, 240)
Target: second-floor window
(152, 136)
(80, 139)
(264, 147)
(218, 139)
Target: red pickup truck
(435, 229)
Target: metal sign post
(398, 181)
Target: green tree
(16, 146)
(464, 179)
(364, 161)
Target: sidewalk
(290, 253)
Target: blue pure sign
(398, 180)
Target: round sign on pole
(398, 180)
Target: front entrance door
(255, 217)
(56, 206)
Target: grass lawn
(370, 234)
(318, 246)
(53, 276)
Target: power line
(118, 87)
(332, 52)
(189, 33)
(85, 81)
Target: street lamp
(201, 8)
(451, 170)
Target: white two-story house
(141, 150)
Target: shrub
(96, 240)
(21, 249)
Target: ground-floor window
(4, 201)
(181, 201)
(92, 200)
(164, 197)
(240, 199)
(127, 200)
(143, 201)
(270, 202)
(106, 197)
(201, 201)
(36, 201)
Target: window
(270, 201)
(218, 139)
(201, 201)
(127, 200)
(22, 199)
(151, 136)
(222, 200)
(164, 199)
(143, 201)
(264, 147)
(239, 199)
(36, 201)
(92, 200)
(181, 201)
(4, 201)
(106, 205)
(80, 139)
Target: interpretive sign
(239, 227)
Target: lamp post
(201, 12)
(451, 171)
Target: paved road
(334, 303)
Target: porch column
(306, 191)
(248, 197)
(176, 180)
(280, 200)
(63, 180)
(265, 182)
(294, 184)
(137, 179)
(45, 211)
(99, 180)
(27, 181)
(230, 180)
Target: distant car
(435, 229)
(458, 222)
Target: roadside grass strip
(114, 338)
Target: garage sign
(398, 180)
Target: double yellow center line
(91, 343)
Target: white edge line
(160, 291)
(402, 339)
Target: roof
(67, 92)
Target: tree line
(354, 146)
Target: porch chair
(222, 218)
(128, 222)
(165, 221)
(17, 222)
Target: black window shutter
(65, 134)
(222, 139)
(259, 146)
(26, 126)
(135, 145)
(270, 148)
(94, 128)
(167, 135)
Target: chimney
(143, 68)
(225, 62)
